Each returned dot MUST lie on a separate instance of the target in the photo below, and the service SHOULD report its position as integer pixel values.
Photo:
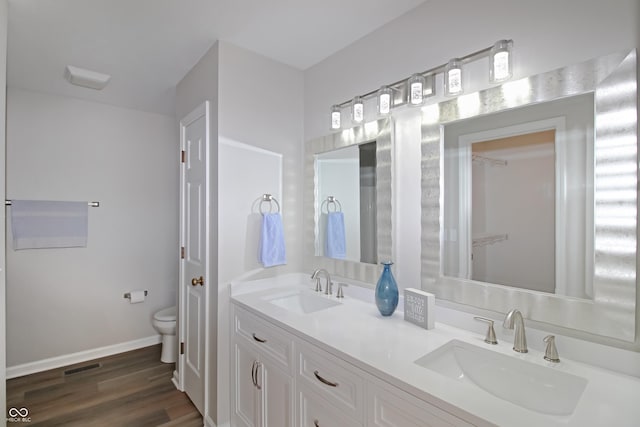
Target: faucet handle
(340, 294)
(551, 352)
(490, 338)
(318, 285)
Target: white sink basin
(536, 387)
(302, 303)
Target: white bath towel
(48, 224)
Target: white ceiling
(147, 46)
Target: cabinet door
(245, 401)
(277, 399)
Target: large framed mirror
(347, 208)
(529, 197)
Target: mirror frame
(382, 132)
(612, 311)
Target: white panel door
(195, 259)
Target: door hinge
(183, 155)
(181, 348)
(182, 252)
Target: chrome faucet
(327, 289)
(512, 320)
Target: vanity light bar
(419, 86)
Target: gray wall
(69, 301)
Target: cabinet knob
(198, 281)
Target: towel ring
(331, 201)
(269, 198)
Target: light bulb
(453, 77)
(416, 89)
(500, 61)
(385, 101)
(335, 117)
(357, 110)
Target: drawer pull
(322, 380)
(258, 366)
(316, 423)
(258, 339)
(253, 373)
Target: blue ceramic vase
(387, 291)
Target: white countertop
(387, 347)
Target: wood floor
(129, 389)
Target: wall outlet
(419, 308)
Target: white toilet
(165, 323)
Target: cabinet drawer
(336, 381)
(270, 340)
(314, 411)
(392, 407)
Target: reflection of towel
(336, 245)
(272, 241)
(44, 224)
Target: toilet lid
(166, 315)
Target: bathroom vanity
(302, 358)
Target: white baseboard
(176, 380)
(208, 422)
(82, 356)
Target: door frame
(201, 110)
(562, 275)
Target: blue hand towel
(272, 250)
(335, 243)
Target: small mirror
(347, 211)
(348, 176)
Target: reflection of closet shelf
(488, 239)
(488, 160)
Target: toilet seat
(166, 315)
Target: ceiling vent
(86, 78)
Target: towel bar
(331, 200)
(269, 198)
(91, 204)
